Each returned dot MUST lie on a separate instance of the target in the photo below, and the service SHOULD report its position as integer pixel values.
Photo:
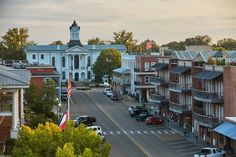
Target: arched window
(76, 76)
(53, 61)
(63, 61)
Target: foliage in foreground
(48, 141)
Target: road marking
(138, 132)
(166, 132)
(104, 133)
(118, 125)
(178, 142)
(131, 132)
(125, 132)
(159, 132)
(182, 145)
(153, 132)
(173, 132)
(118, 132)
(111, 132)
(145, 132)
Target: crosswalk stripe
(172, 132)
(153, 132)
(159, 132)
(111, 132)
(145, 132)
(104, 133)
(131, 132)
(118, 132)
(138, 132)
(166, 132)
(125, 132)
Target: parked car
(109, 93)
(64, 95)
(210, 152)
(86, 120)
(136, 112)
(106, 90)
(154, 120)
(134, 107)
(98, 131)
(142, 116)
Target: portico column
(22, 119)
(14, 114)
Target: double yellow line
(130, 137)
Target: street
(128, 137)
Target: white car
(130, 108)
(98, 131)
(210, 152)
(106, 90)
(109, 93)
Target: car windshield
(205, 151)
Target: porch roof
(227, 129)
(208, 75)
(180, 69)
(160, 65)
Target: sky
(160, 20)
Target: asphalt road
(128, 137)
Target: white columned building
(73, 58)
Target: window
(146, 66)
(63, 62)
(88, 60)
(88, 75)
(6, 101)
(63, 75)
(53, 61)
(147, 79)
(42, 56)
(76, 62)
(33, 56)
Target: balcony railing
(198, 110)
(157, 98)
(207, 121)
(121, 80)
(137, 70)
(179, 108)
(207, 96)
(181, 88)
(157, 80)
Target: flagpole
(68, 107)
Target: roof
(186, 55)
(46, 48)
(74, 24)
(122, 70)
(204, 55)
(160, 65)
(208, 75)
(101, 47)
(180, 69)
(227, 129)
(14, 78)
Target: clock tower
(74, 35)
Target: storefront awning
(227, 129)
(180, 69)
(159, 66)
(208, 75)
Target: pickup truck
(210, 152)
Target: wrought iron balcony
(207, 96)
(179, 108)
(157, 80)
(159, 99)
(207, 121)
(180, 88)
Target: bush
(10, 143)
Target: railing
(207, 96)
(143, 71)
(158, 80)
(198, 110)
(207, 121)
(183, 88)
(157, 98)
(121, 80)
(179, 108)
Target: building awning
(208, 75)
(122, 70)
(160, 65)
(180, 69)
(227, 129)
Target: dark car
(142, 116)
(136, 112)
(64, 95)
(154, 120)
(86, 120)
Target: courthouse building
(73, 58)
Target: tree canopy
(198, 40)
(48, 140)
(96, 41)
(58, 42)
(13, 42)
(108, 60)
(227, 44)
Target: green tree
(125, 38)
(155, 47)
(174, 45)
(227, 44)
(108, 60)
(96, 41)
(13, 42)
(198, 40)
(48, 140)
(58, 42)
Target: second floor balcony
(143, 85)
(205, 120)
(179, 108)
(207, 96)
(157, 80)
(121, 80)
(159, 99)
(139, 71)
(180, 88)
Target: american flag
(69, 88)
(62, 124)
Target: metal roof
(101, 47)
(11, 78)
(208, 75)
(186, 55)
(227, 129)
(180, 69)
(122, 70)
(160, 65)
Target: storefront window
(5, 102)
